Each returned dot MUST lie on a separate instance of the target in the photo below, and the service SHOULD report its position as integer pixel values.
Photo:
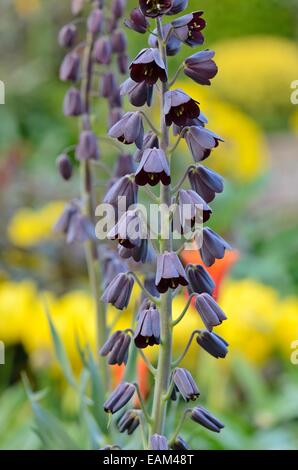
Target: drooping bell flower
(87, 148)
(202, 416)
(214, 344)
(177, 7)
(153, 168)
(185, 384)
(155, 8)
(158, 442)
(112, 265)
(201, 141)
(192, 210)
(199, 279)
(118, 292)
(137, 21)
(173, 45)
(139, 253)
(200, 121)
(179, 444)
(200, 67)
(103, 51)
(170, 272)
(72, 104)
(138, 93)
(122, 61)
(119, 397)
(129, 230)
(119, 41)
(108, 85)
(129, 129)
(70, 67)
(209, 310)
(188, 28)
(124, 190)
(67, 35)
(128, 422)
(80, 229)
(116, 348)
(212, 246)
(179, 108)
(125, 165)
(148, 67)
(64, 166)
(150, 141)
(118, 7)
(95, 21)
(205, 182)
(148, 327)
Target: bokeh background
(255, 389)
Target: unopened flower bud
(70, 67)
(103, 51)
(119, 42)
(95, 21)
(119, 397)
(72, 104)
(67, 35)
(87, 147)
(64, 166)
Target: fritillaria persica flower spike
(119, 397)
(148, 328)
(128, 422)
(148, 67)
(205, 182)
(158, 442)
(129, 129)
(185, 384)
(201, 141)
(137, 21)
(118, 292)
(200, 67)
(179, 108)
(116, 347)
(213, 246)
(188, 28)
(209, 310)
(154, 8)
(169, 272)
(199, 279)
(213, 344)
(67, 35)
(153, 168)
(202, 416)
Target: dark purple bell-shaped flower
(209, 310)
(173, 45)
(177, 7)
(64, 166)
(199, 279)
(124, 187)
(87, 148)
(139, 253)
(200, 121)
(155, 8)
(67, 35)
(153, 168)
(148, 328)
(193, 210)
(201, 141)
(213, 344)
(125, 165)
(150, 141)
(129, 129)
(188, 28)
(118, 7)
(200, 67)
(179, 444)
(138, 93)
(158, 442)
(205, 182)
(76, 226)
(148, 67)
(116, 348)
(70, 67)
(179, 108)
(119, 41)
(204, 418)
(103, 50)
(213, 246)
(137, 21)
(129, 230)
(185, 384)
(72, 104)
(118, 292)
(119, 397)
(128, 422)
(95, 21)
(170, 272)
(70, 210)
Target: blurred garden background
(249, 105)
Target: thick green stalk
(163, 373)
(93, 265)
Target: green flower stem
(93, 265)
(178, 71)
(181, 181)
(179, 426)
(146, 292)
(150, 123)
(184, 311)
(180, 358)
(162, 378)
(142, 404)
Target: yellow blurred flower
(29, 227)
(26, 7)
(244, 156)
(286, 331)
(294, 121)
(256, 73)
